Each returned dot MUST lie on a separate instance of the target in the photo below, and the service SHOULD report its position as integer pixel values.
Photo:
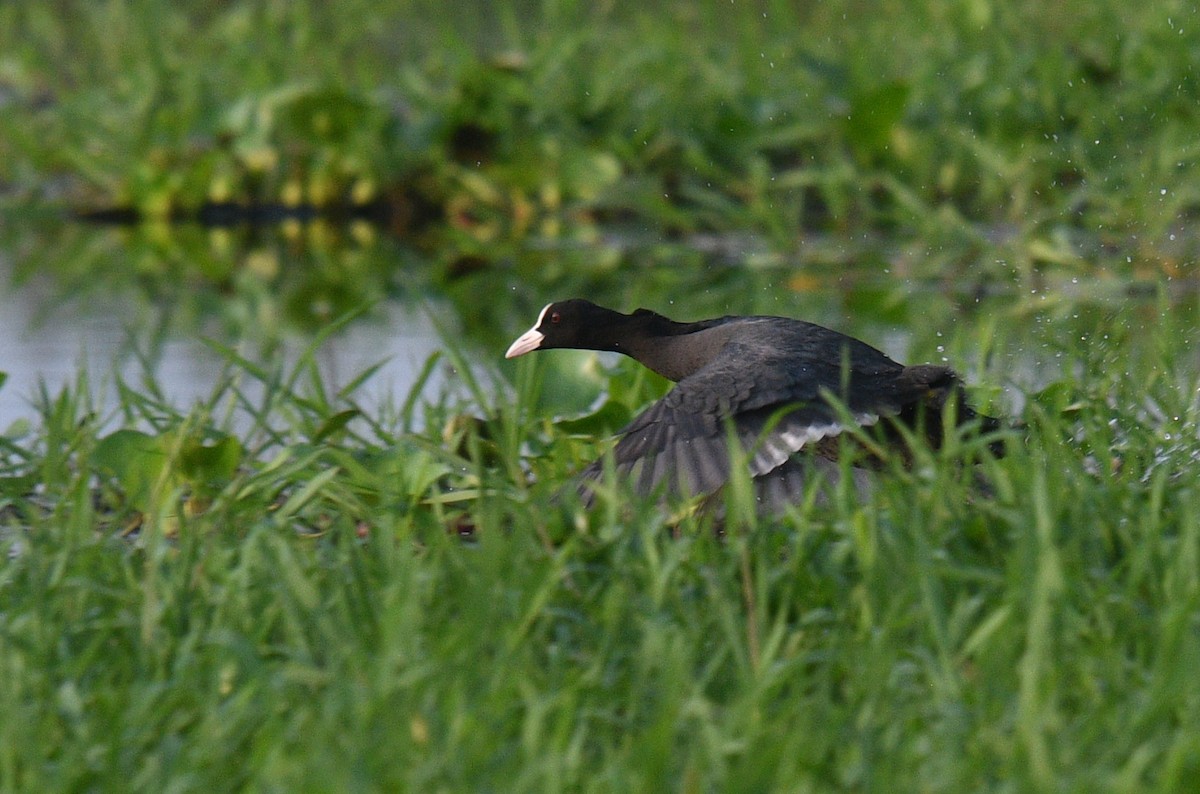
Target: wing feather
(774, 394)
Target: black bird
(775, 380)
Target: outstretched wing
(773, 398)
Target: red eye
(555, 317)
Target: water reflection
(92, 299)
(49, 341)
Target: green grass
(311, 619)
(272, 590)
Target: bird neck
(669, 348)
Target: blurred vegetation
(543, 148)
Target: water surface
(48, 342)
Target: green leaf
(329, 115)
(207, 464)
(605, 421)
(335, 423)
(306, 493)
(136, 461)
(572, 384)
(873, 115)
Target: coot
(774, 381)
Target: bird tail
(942, 386)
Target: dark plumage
(769, 378)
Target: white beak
(526, 342)
(530, 340)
